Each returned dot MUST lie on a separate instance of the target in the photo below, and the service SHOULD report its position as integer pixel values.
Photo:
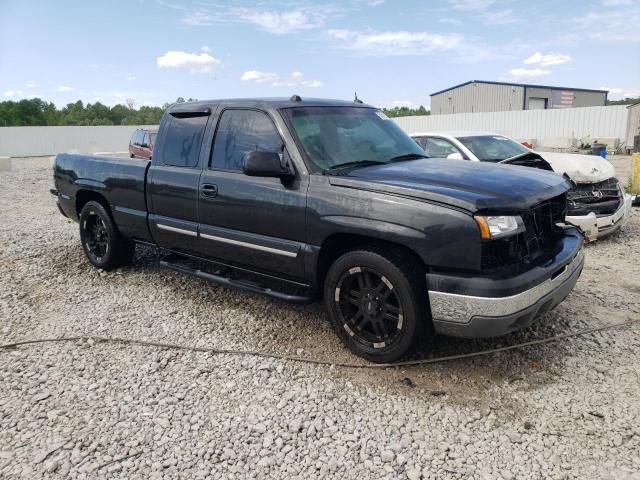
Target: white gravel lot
(74, 410)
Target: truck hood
(579, 168)
(469, 185)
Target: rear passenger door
(173, 179)
(250, 221)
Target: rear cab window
(183, 140)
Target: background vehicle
(297, 199)
(141, 143)
(598, 204)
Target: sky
(391, 52)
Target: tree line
(624, 101)
(37, 112)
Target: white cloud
(528, 73)
(194, 62)
(131, 78)
(615, 3)
(402, 103)
(611, 26)
(31, 85)
(396, 43)
(450, 21)
(206, 49)
(64, 88)
(548, 59)
(471, 5)
(281, 22)
(13, 93)
(617, 93)
(272, 21)
(500, 17)
(275, 80)
(257, 76)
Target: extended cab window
(240, 132)
(182, 142)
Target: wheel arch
(84, 196)
(337, 244)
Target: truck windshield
(333, 137)
(492, 148)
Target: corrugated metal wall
(633, 124)
(37, 141)
(492, 97)
(579, 123)
(478, 97)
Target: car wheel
(377, 303)
(103, 245)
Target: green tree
(405, 111)
(626, 101)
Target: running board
(229, 282)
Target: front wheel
(103, 245)
(377, 303)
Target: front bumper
(595, 227)
(475, 315)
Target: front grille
(540, 236)
(602, 198)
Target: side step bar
(229, 282)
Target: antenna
(356, 99)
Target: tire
(103, 244)
(378, 304)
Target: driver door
(250, 221)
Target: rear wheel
(103, 245)
(377, 303)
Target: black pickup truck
(303, 198)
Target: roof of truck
(272, 102)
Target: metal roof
(526, 85)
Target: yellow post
(635, 173)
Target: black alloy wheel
(103, 244)
(378, 303)
(369, 307)
(96, 241)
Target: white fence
(589, 123)
(37, 141)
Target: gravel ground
(82, 410)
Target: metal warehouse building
(482, 96)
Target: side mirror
(455, 156)
(264, 164)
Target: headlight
(498, 226)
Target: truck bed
(119, 181)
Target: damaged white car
(598, 204)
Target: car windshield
(333, 137)
(492, 148)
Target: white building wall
(41, 141)
(586, 123)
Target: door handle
(209, 190)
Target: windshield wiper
(354, 164)
(407, 156)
